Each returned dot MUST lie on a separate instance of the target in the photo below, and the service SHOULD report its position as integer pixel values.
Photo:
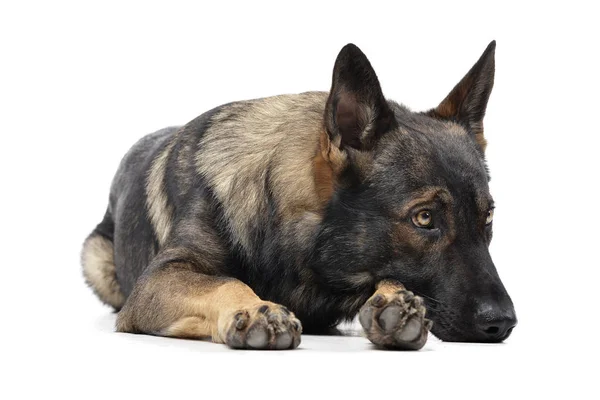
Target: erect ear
(467, 102)
(356, 113)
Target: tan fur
(189, 328)
(245, 144)
(480, 139)
(179, 302)
(454, 129)
(99, 270)
(369, 117)
(159, 209)
(449, 108)
(212, 312)
(405, 232)
(388, 287)
(426, 196)
(328, 163)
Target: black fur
(362, 239)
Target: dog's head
(413, 202)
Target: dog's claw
(378, 300)
(241, 319)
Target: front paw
(395, 320)
(267, 326)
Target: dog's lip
(452, 334)
(446, 329)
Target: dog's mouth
(450, 333)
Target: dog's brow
(427, 195)
(485, 202)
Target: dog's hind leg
(173, 299)
(97, 261)
(395, 318)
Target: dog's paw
(395, 320)
(267, 326)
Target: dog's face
(415, 204)
(441, 228)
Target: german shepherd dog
(311, 207)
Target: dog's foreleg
(395, 318)
(174, 300)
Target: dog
(266, 218)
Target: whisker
(427, 297)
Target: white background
(80, 82)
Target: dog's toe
(410, 331)
(283, 341)
(389, 318)
(257, 338)
(365, 317)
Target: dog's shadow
(346, 338)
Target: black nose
(495, 324)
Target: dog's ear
(467, 102)
(356, 114)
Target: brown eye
(423, 219)
(490, 216)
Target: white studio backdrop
(80, 82)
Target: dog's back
(259, 149)
(242, 158)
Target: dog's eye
(423, 219)
(490, 216)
